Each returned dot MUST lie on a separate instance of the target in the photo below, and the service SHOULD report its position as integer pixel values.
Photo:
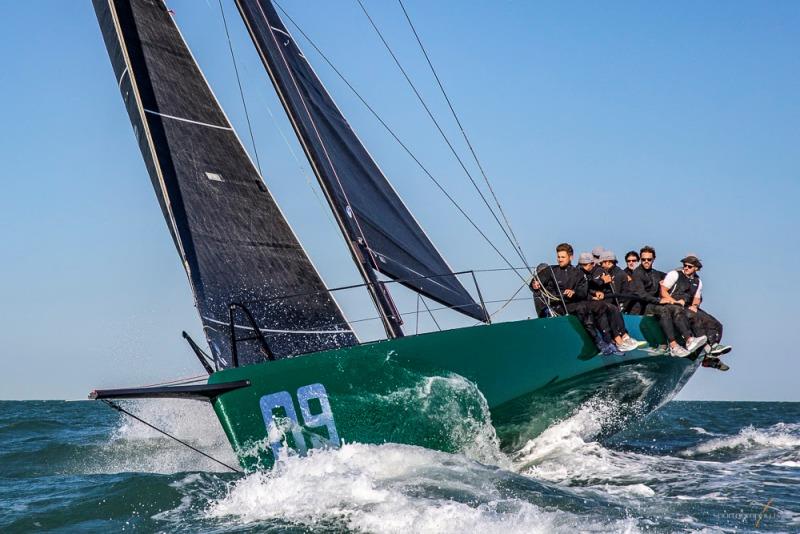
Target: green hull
(439, 390)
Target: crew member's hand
(606, 278)
(569, 293)
(666, 300)
(599, 295)
(681, 302)
(693, 308)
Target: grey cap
(596, 251)
(585, 257)
(608, 255)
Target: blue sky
(620, 124)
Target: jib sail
(377, 225)
(235, 244)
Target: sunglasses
(688, 266)
(632, 260)
(649, 260)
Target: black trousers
(606, 317)
(672, 318)
(705, 324)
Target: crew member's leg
(678, 316)
(599, 329)
(621, 337)
(707, 324)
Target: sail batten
(375, 221)
(234, 242)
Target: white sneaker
(696, 343)
(627, 345)
(678, 352)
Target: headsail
(371, 214)
(235, 244)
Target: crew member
(561, 285)
(646, 286)
(605, 313)
(685, 286)
(616, 280)
(631, 262)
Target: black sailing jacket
(558, 279)
(646, 285)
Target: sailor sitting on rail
(563, 288)
(606, 314)
(672, 317)
(686, 288)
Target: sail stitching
(276, 331)
(122, 77)
(182, 119)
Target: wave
(778, 438)
(393, 488)
(133, 446)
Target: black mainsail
(381, 232)
(235, 244)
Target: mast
(359, 251)
(240, 254)
(379, 230)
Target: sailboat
(287, 372)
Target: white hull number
(281, 420)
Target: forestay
(235, 244)
(371, 214)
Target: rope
(129, 414)
(241, 91)
(396, 138)
(466, 138)
(560, 294)
(441, 131)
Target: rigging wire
(466, 138)
(441, 131)
(241, 91)
(431, 314)
(303, 170)
(195, 449)
(397, 139)
(178, 381)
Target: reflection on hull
(635, 389)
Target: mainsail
(380, 230)
(235, 244)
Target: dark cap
(692, 260)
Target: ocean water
(691, 466)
